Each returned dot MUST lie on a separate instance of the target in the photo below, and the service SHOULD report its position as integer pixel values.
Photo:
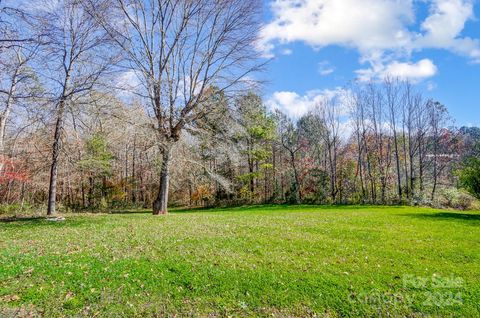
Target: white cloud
(128, 80)
(431, 86)
(367, 24)
(384, 32)
(446, 21)
(35, 5)
(325, 68)
(443, 27)
(346, 129)
(404, 70)
(290, 103)
(422, 69)
(295, 105)
(127, 83)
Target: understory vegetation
(244, 154)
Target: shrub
(12, 209)
(457, 199)
(465, 201)
(422, 200)
(469, 175)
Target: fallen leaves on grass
(9, 298)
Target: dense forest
(130, 106)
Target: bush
(422, 200)
(457, 199)
(13, 209)
(469, 175)
(465, 201)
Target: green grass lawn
(279, 261)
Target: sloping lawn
(279, 261)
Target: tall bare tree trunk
(3, 121)
(134, 181)
(373, 185)
(421, 164)
(435, 168)
(22, 197)
(411, 157)
(84, 203)
(52, 191)
(397, 163)
(274, 173)
(125, 185)
(298, 197)
(91, 189)
(3, 126)
(251, 171)
(160, 205)
(360, 167)
(333, 191)
(405, 164)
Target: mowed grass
(280, 261)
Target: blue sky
(318, 46)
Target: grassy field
(279, 261)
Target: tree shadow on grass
(266, 208)
(190, 210)
(472, 218)
(300, 208)
(21, 219)
(170, 211)
(131, 211)
(25, 222)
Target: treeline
(381, 143)
(116, 104)
(364, 147)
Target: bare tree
(75, 53)
(422, 126)
(290, 139)
(380, 148)
(392, 93)
(183, 53)
(9, 35)
(17, 79)
(356, 114)
(438, 117)
(328, 113)
(366, 132)
(412, 122)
